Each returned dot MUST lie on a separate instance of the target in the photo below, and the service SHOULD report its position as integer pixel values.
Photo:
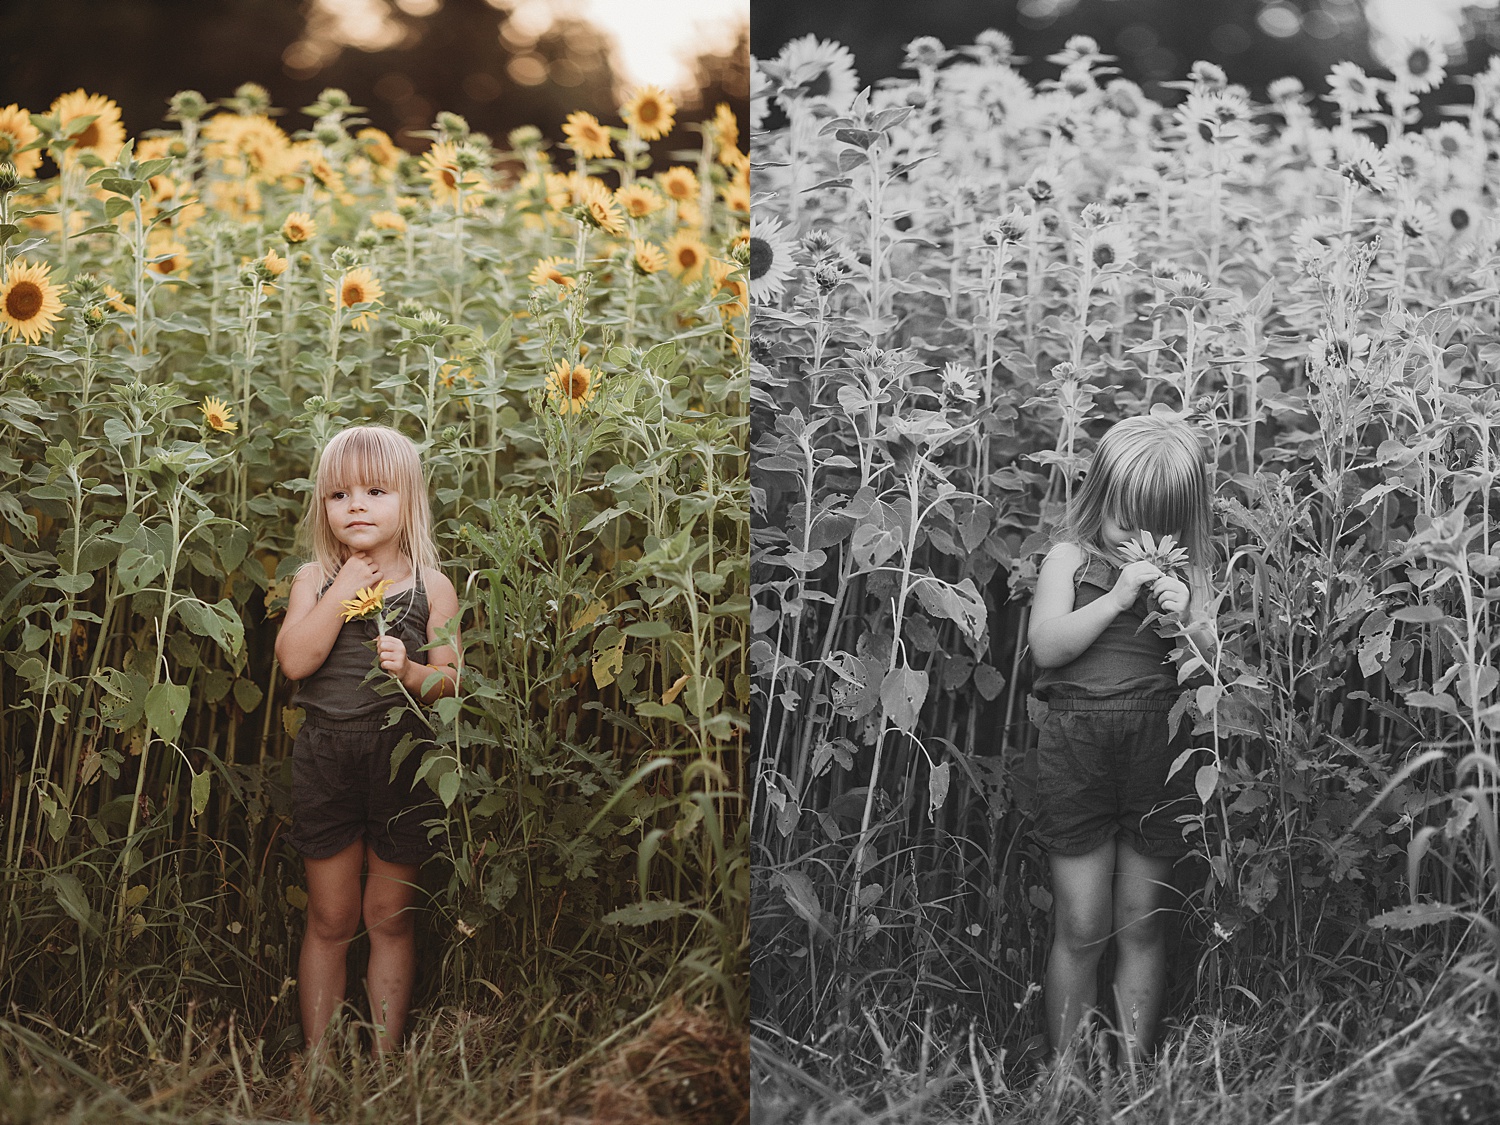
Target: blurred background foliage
(499, 63)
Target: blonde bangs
(1148, 473)
(371, 457)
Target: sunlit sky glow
(655, 41)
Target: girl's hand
(1172, 593)
(359, 572)
(1132, 577)
(391, 652)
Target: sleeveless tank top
(1125, 659)
(335, 693)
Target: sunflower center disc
(761, 256)
(24, 301)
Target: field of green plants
(184, 318)
(959, 280)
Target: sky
(655, 40)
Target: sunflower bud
(86, 288)
(10, 179)
(409, 308)
(329, 133)
(345, 258)
(95, 318)
(367, 239)
(251, 98)
(451, 125)
(526, 137)
(334, 100)
(187, 105)
(468, 158)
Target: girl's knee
(1145, 930)
(1083, 931)
(388, 918)
(332, 921)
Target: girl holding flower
(375, 582)
(1108, 800)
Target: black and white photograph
(1124, 410)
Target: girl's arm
(442, 602)
(1059, 633)
(312, 624)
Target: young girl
(368, 522)
(1106, 811)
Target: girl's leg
(1081, 914)
(390, 916)
(1141, 885)
(332, 918)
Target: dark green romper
(342, 789)
(1104, 746)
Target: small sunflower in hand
(1163, 553)
(367, 603)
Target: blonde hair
(1148, 474)
(370, 456)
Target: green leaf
(201, 784)
(1419, 914)
(648, 629)
(220, 622)
(937, 788)
(448, 789)
(136, 569)
(70, 897)
(1206, 781)
(644, 913)
(247, 694)
(166, 707)
(902, 693)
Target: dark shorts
(342, 791)
(1102, 771)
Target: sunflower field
(959, 279)
(185, 317)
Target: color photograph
(1123, 438)
(374, 540)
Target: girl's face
(364, 517)
(1114, 535)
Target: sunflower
(737, 197)
(16, 132)
(117, 300)
(378, 148)
(1352, 88)
(570, 387)
(679, 183)
(172, 256)
(104, 136)
(388, 220)
(726, 129)
(816, 71)
(357, 287)
(599, 204)
(559, 187)
(650, 111)
(451, 373)
(685, 256)
(367, 602)
(725, 281)
(216, 414)
(550, 270)
(1422, 63)
(29, 303)
(588, 139)
(637, 200)
(273, 263)
(440, 169)
(645, 258)
(299, 227)
(772, 259)
(250, 144)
